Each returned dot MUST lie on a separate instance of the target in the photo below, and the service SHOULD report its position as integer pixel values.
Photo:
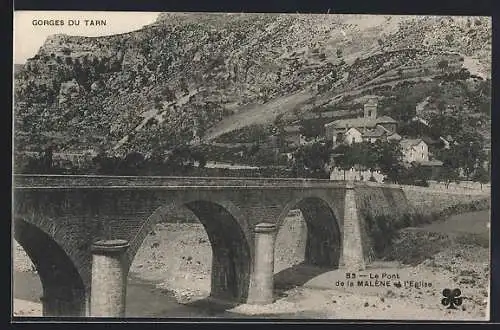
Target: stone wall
(426, 200)
(379, 202)
(383, 209)
(462, 186)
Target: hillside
(205, 75)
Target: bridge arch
(228, 236)
(64, 290)
(324, 232)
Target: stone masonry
(69, 214)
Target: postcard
(240, 165)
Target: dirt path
(258, 114)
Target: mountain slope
(204, 75)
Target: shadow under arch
(231, 257)
(322, 246)
(64, 293)
(231, 260)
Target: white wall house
(355, 175)
(353, 135)
(414, 150)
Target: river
(143, 299)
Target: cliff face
(207, 74)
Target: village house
(369, 128)
(416, 151)
(292, 135)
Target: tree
(390, 159)
(264, 156)
(103, 164)
(441, 107)
(132, 163)
(481, 175)
(278, 126)
(312, 160)
(347, 159)
(418, 176)
(444, 124)
(443, 65)
(407, 111)
(448, 174)
(469, 151)
(47, 159)
(311, 128)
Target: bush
(381, 231)
(390, 241)
(413, 247)
(421, 183)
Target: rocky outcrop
(204, 68)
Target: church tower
(370, 109)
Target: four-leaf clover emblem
(452, 298)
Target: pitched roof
(408, 143)
(376, 132)
(361, 122)
(434, 162)
(429, 140)
(394, 136)
(292, 129)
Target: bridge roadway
(82, 232)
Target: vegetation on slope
(197, 75)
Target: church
(368, 128)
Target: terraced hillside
(204, 75)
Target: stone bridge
(82, 232)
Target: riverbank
(175, 262)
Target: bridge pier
(352, 256)
(262, 285)
(109, 278)
(61, 301)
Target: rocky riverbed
(177, 258)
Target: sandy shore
(26, 308)
(178, 258)
(187, 274)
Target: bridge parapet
(484, 192)
(22, 181)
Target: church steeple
(370, 109)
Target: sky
(29, 36)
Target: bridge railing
(33, 180)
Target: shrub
(474, 240)
(381, 231)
